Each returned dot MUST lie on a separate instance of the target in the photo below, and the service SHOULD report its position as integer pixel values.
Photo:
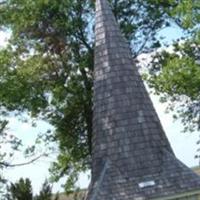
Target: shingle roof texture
(130, 148)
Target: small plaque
(146, 184)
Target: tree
(175, 75)
(46, 192)
(22, 190)
(46, 69)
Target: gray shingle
(132, 158)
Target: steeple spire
(132, 158)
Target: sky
(183, 144)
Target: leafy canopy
(175, 75)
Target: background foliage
(22, 190)
(175, 75)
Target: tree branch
(145, 40)
(5, 164)
(83, 40)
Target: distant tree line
(22, 190)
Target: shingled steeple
(132, 158)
